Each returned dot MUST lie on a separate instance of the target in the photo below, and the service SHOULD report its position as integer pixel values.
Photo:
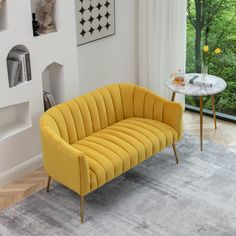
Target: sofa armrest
(64, 163)
(173, 116)
(161, 109)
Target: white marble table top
(219, 85)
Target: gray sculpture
(46, 14)
(1, 2)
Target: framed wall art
(95, 20)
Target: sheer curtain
(162, 42)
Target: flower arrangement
(208, 54)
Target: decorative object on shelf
(48, 100)
(19, 68)
(207, 57)
(47, 24)
(35, 25)
(14, 67)
(95, 20)
(1, 2)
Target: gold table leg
(213, 109)
(201, 122)
(173, 96)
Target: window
(213, 23)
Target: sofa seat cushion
(116, 149)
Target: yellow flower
(206, 48)
(217, 51)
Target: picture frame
(95, 20)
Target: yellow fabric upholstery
(94, 138)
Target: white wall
(113, 59)
(106, 61)
(21, 152)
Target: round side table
(218, 86)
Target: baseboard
(20, 170)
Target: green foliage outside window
(213, 23)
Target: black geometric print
(91, 14)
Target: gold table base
(201, 115)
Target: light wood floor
(225, 133)
(37, 180)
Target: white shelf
(42, 38)
(14, 119)
(12, 128)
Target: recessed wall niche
(36, 6)
(18, 65)
(3, 15)
(53, 82)
(14, 119)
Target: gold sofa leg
(81, 209)
(48, 185)
(176, 155)
(81, 201)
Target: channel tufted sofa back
(85, 115)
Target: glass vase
(204, 72)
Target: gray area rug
(198, 197)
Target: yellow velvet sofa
(92, 139)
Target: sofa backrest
(87, 114)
